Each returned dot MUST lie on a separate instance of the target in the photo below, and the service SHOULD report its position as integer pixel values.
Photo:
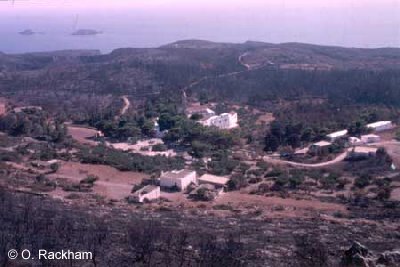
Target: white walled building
(147, 193)
(223, 121)
(380, 126)
(370, 138)
(333, 136)
(181, 179)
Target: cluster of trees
(34, 123)
(289, 135)
(340, 86)
(128, 161)
(201, 141)
(134, 127)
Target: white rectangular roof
(208, 178)
(378, 124)
(322, 143)
(370, 136)
(338, 134)
(177, 174)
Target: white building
(181, 179)
(333, 136)
(147, 193)
(370, 138)
(223, 121)
(217, 181)
(23, 109)
(380, 126)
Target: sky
(351, 23)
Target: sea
(153, 28)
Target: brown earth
(112, 183)
(81, 134)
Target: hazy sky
(354, 23)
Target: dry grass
(81, 134)
(112, 183)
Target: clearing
(81, 134)
(112, 183)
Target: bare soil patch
(112, 183)
(81, 134)
(286, 207)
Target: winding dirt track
(126, 106)
(338, 159)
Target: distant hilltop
(86, 32)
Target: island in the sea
(27, 32)
(86, 32)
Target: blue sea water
(152, 28)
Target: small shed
(206, 192)
(217, 181)
(370, 138)
(320, 148)
(147, 193)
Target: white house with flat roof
(179, 178)
(333, 136)
(223, 121)
(380, 126)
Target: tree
(271, 143)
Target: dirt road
(248, 67)
(338, 159)
(126, 106)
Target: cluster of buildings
(209, 118)
(323, 147)
(181, 180)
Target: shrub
(222, 207)
(159, 148)
(236, 182)
(90, 179)
(262, 165)
(384, 193)
(273, 173)
(362, 181)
